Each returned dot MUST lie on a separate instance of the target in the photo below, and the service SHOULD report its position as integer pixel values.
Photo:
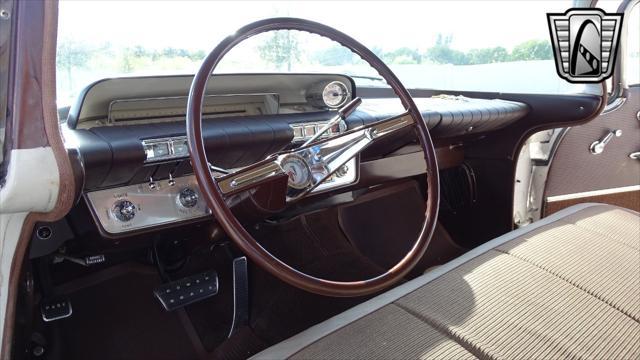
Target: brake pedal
(187, 291)
(240, 294)
(56, 309)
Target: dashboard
(130, 137)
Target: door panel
(576, 175)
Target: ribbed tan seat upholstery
(565, 287)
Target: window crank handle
(597, 147)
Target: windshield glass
(449, 45)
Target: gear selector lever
(343, 113)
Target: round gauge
(332, 95)
(297, 170)
(335, 94)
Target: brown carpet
(120, 319)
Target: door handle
(635, 155)
(597, 147)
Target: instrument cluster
(142, 206)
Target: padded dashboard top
(114, 155)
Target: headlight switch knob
(188, 198)
(123, 210)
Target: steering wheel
(332, 153)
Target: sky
(384, 24)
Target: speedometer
(332, 95)
(298, 171)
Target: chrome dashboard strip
(250, 177)
(176, 148)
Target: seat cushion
(567, 286)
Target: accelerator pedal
(189, 290)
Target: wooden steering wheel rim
(230, 223)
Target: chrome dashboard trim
(250, 178)
(303, 132)
(170, 142)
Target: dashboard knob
(123, 210)
(188, 197)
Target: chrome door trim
(593, 193)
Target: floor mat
(120, 319)
(384, 225)
(242, 345)
(212, 317)
(281, 311)
(315, 244)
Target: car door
(36, 181)
(600, 160)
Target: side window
(632, 58)
(5, 44)
(632, 42)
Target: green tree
(532, 50)
(72, 55)
(442, 53)
(378, 51)
(335, 55)
(444, 40)
(140, 51)
(128, 60)
(281, 49)
(174, 53)
(197, 55)
(487, 55)
(404, 55)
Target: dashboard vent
(154, 110)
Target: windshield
(450, 45)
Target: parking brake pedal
(187, 291)
(55, 310)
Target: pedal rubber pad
(55, 309)
(187, 291)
